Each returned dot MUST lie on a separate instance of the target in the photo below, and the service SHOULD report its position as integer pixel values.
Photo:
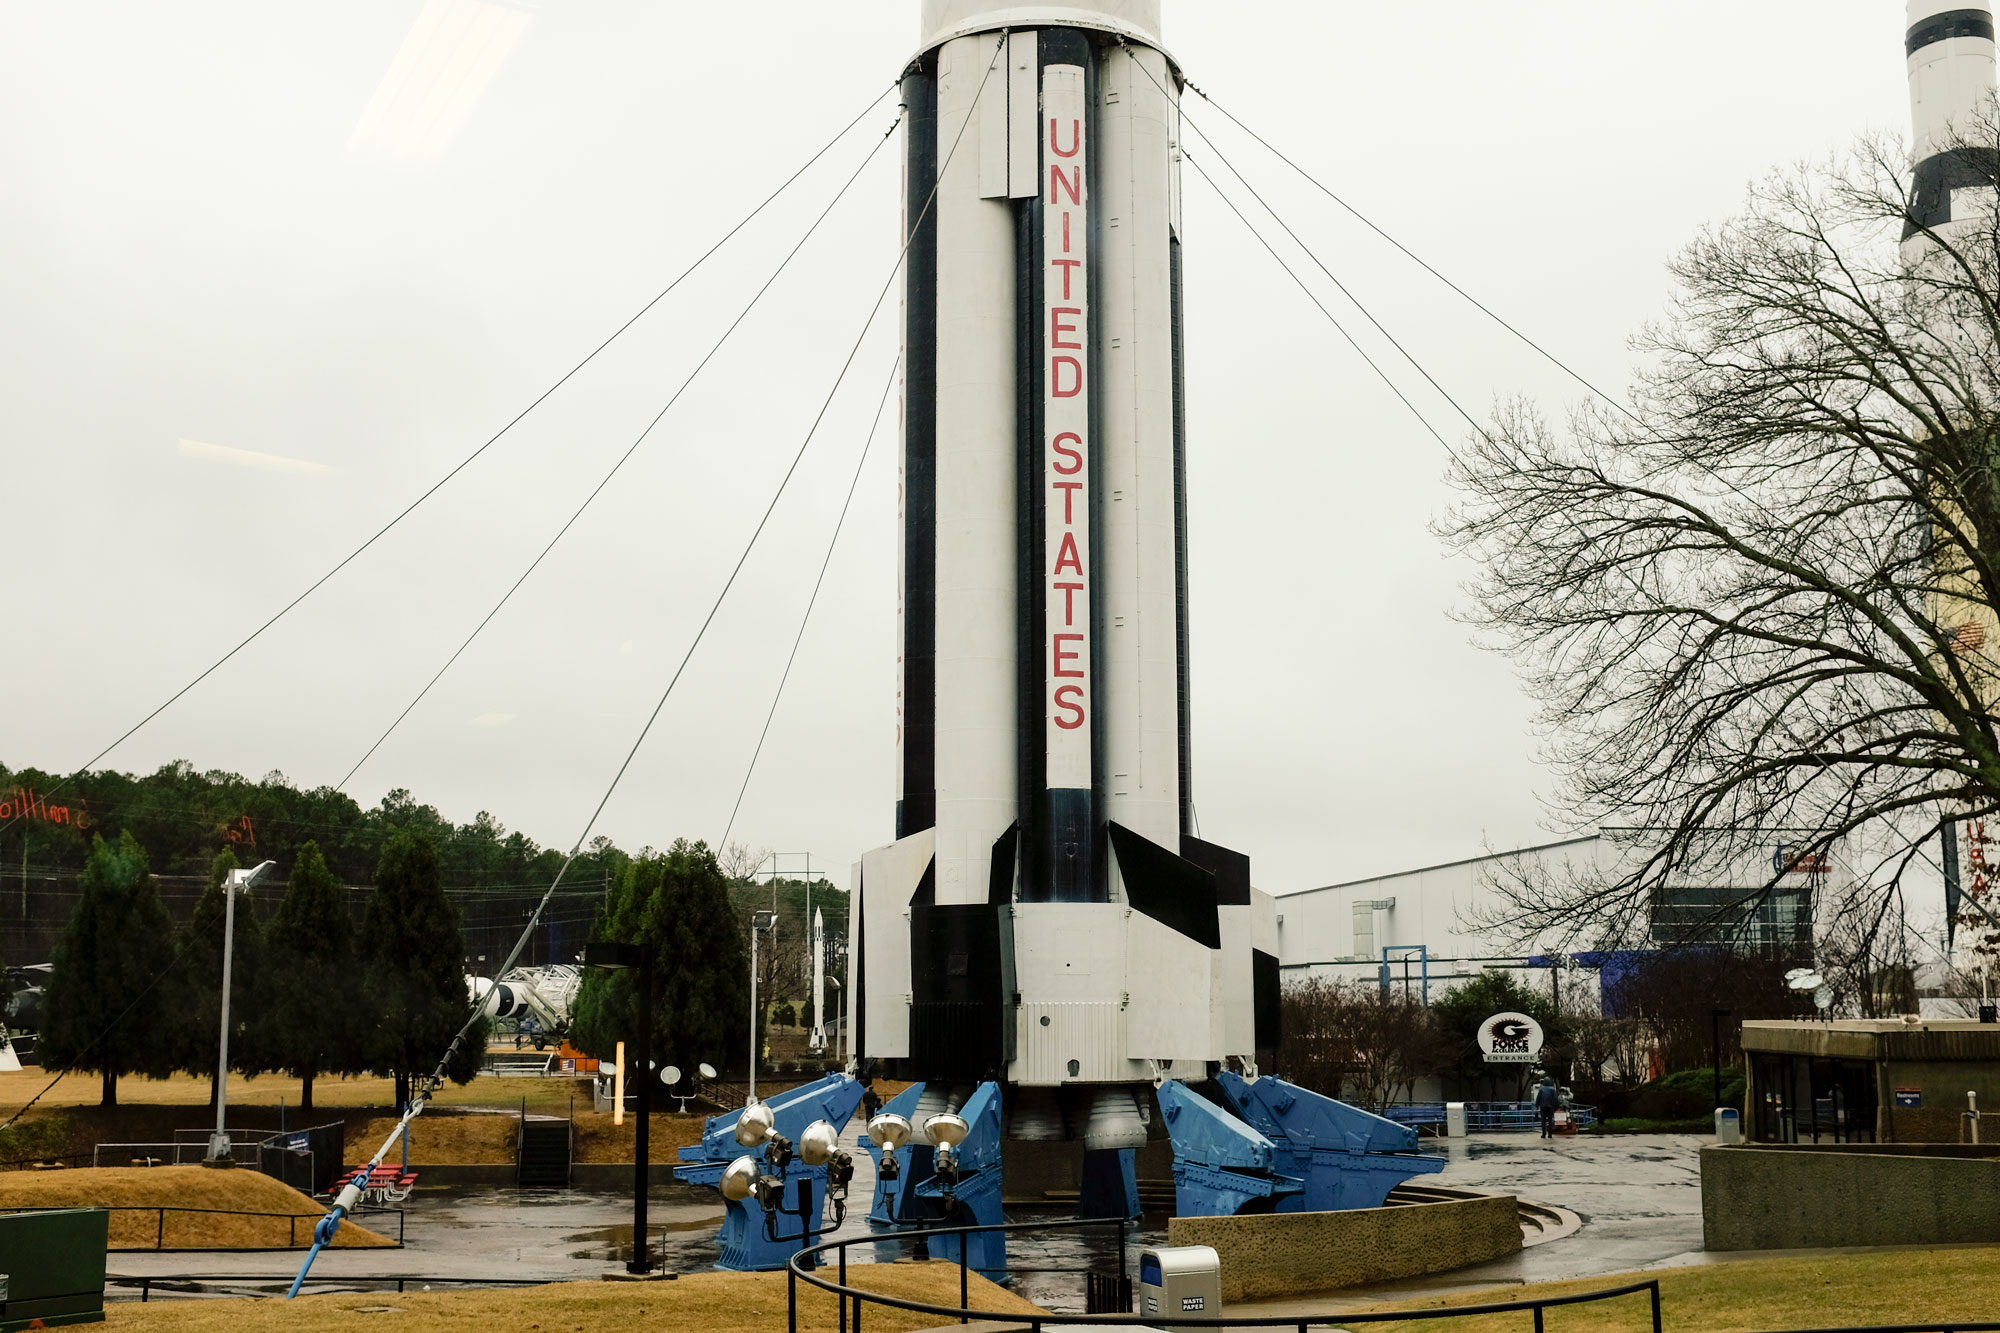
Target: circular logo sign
(1510, 1039)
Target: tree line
(1672, 1012)
(133, 993)
(181, 815)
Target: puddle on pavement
(615, 1242)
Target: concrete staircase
(544, 1154)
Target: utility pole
(238, 881)
(758, 921)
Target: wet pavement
(1639, 1198)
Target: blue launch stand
(1222, 1167)
(976, 1190)
(1346, 1157)
(896, 1199)
(919, 1197)
(745, 1247)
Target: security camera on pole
(219, 1151)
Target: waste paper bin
(1454, 1120)
(1728, 1125)
(1180, 1280)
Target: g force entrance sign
(1510, 1039)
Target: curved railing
(803, 1267)
(291, 1220)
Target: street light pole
(614, 956)
(219, 1150)
(1715, 1017)
(758, 920)
(642, 1259)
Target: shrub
(1686, 1094)
(32, 1140)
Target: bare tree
(1358, 1040)
(1762, 596)
(740, 861)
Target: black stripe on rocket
(1062, 852)
(917, 810)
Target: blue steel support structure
(1222, 1167)
(895, 1195)
(1347, 1157)
(745, 1247)
(968, 1194)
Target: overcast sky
(363, 237)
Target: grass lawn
(710, 1302)
(1757, 1295)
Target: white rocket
(1046, 915)
(819, 980)
(1950, 51)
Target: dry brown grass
(1821, 1291)
(438, 1139)
(549, 1096)
(598, 1140)
(710, 1302)
(182, 1187)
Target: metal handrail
(162, 1209)
(809, 1257)
(145, 1283)
(1943, 1326)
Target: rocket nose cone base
(943, 19)
(1919, 10)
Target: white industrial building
(1436, 924)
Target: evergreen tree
(102, 1008)
(196, 995)
(1460, 1011)
(413, 974)
(675, 903)
(307, 1008)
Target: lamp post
(1715, 1017)
(614, 957)
(758, 921)
(237, 881)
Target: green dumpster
(52, 1267)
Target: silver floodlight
(946, 1130)
(1823, 998)
(755, 1125)
(739, 1179)
(705, 1069)
(670, 1075)
(888, 1131)
(819, 1143)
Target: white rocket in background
(1046, 915)
(1950, 52)
(1949, 46)
(819, 980)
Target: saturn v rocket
(1950, 52)
(1046, 916)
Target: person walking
(1547, 1099)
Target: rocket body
(1950, 51)
(1046, 915)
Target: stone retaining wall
(1288, 1254)
(1789, 1197)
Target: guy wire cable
(1314, 298)
(1210, 145)
(465, 462)
(1408, 253)
(624, 457)
(323, 1232)
(867, 443)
